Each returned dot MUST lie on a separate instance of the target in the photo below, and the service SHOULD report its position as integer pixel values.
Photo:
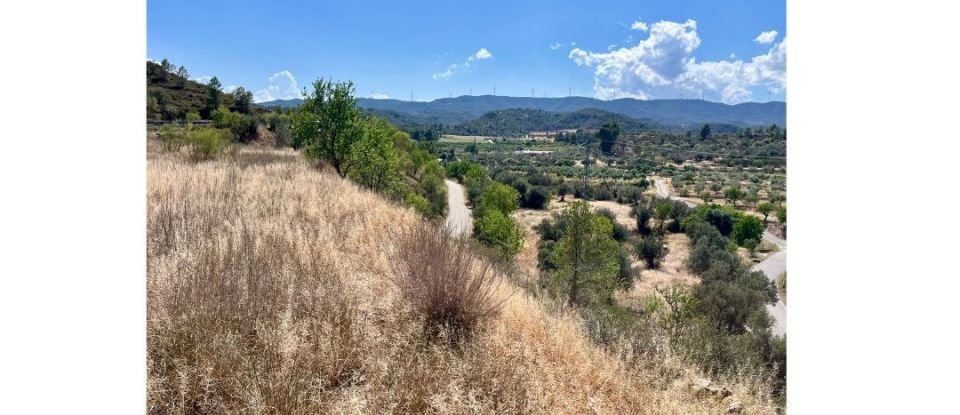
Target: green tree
(747, 228)
(705, 132)
(214, 98)
(564, 189)
(494, 228)
(734, 194)
(375, 160)
(329, 123)
(192, 116)
(765, 208)
(651, 250)
(608, 135)
(586, 255)
(663, 209)
(243, 100)
(782, 218)
(182, 76)
(499, 197)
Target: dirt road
(459, 221)
(772, 267)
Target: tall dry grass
(269, 291)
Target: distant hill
(517, 121)
(678, 112)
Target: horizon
(729, 53)
(564, 97)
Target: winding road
(772, 266)
(458, 215)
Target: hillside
(292, 266)
(680, 112)
(521, 121)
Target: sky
(728, 51)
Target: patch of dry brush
(269, 291)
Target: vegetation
(586, 256)
(451, 290)
(652, 250)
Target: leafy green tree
(375, 160)
(747, 228)
(734, 194)
(182, 76)
(782, 218)
(663, 209)
(243, 100)
(705, 132)
(642, 215)
(494, 228)
(651, 250)
(608, 135)
(214, 96)
(765, 208)
(329, 123)
(537, 198)
(586, 256)
(499, 197)
(564, 189)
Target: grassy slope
(267, 292)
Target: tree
(643, 215)
(191, 117)
(608, 135)
(734, 194)
(652, 250)
(705, 132)
(243, 100)
(586, 255)
(375, 159)
(748, 227)
(563, 189)
(329, 123)
(182, 76)
(663, 209)
(765, 208)
(497, 229)
(499, 197)
(537, 198)
(214, 98)
(782, 218)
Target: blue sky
(721, 50)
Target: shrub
(419, 203)
(537, 198)
(243, 127)
(747, 228)
(172, 138)
(642, 214)
(451, 290)
(494, 228)
(626, 274)
(500, 197)
(206, 143)
(652, 250)
(620, 232)
(720, 219)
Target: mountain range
(684, 113)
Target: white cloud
(483, 53)
(556, 45)
(466, 66)
(377, 95)
(203, 79)
(638, 25)
(663, 65)
(230, 88)
(766, 38)
(281, 85)
(733, 55)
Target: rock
(735, 408)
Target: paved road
(458, 215)
(772, 267)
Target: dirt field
(671, 272)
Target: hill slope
(268, 292)
(683, 112)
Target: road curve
(772, 267)
(459, 221)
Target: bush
(620, 232)
(747, 228)
(500, 197)
(537, 198)
(172, 138)
(642, 214)
(721, 219)
(625, 275)
(206, 143)
(497, 229)
(451, 290)
(243, 127)
(651, 250)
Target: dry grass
(269, 292)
